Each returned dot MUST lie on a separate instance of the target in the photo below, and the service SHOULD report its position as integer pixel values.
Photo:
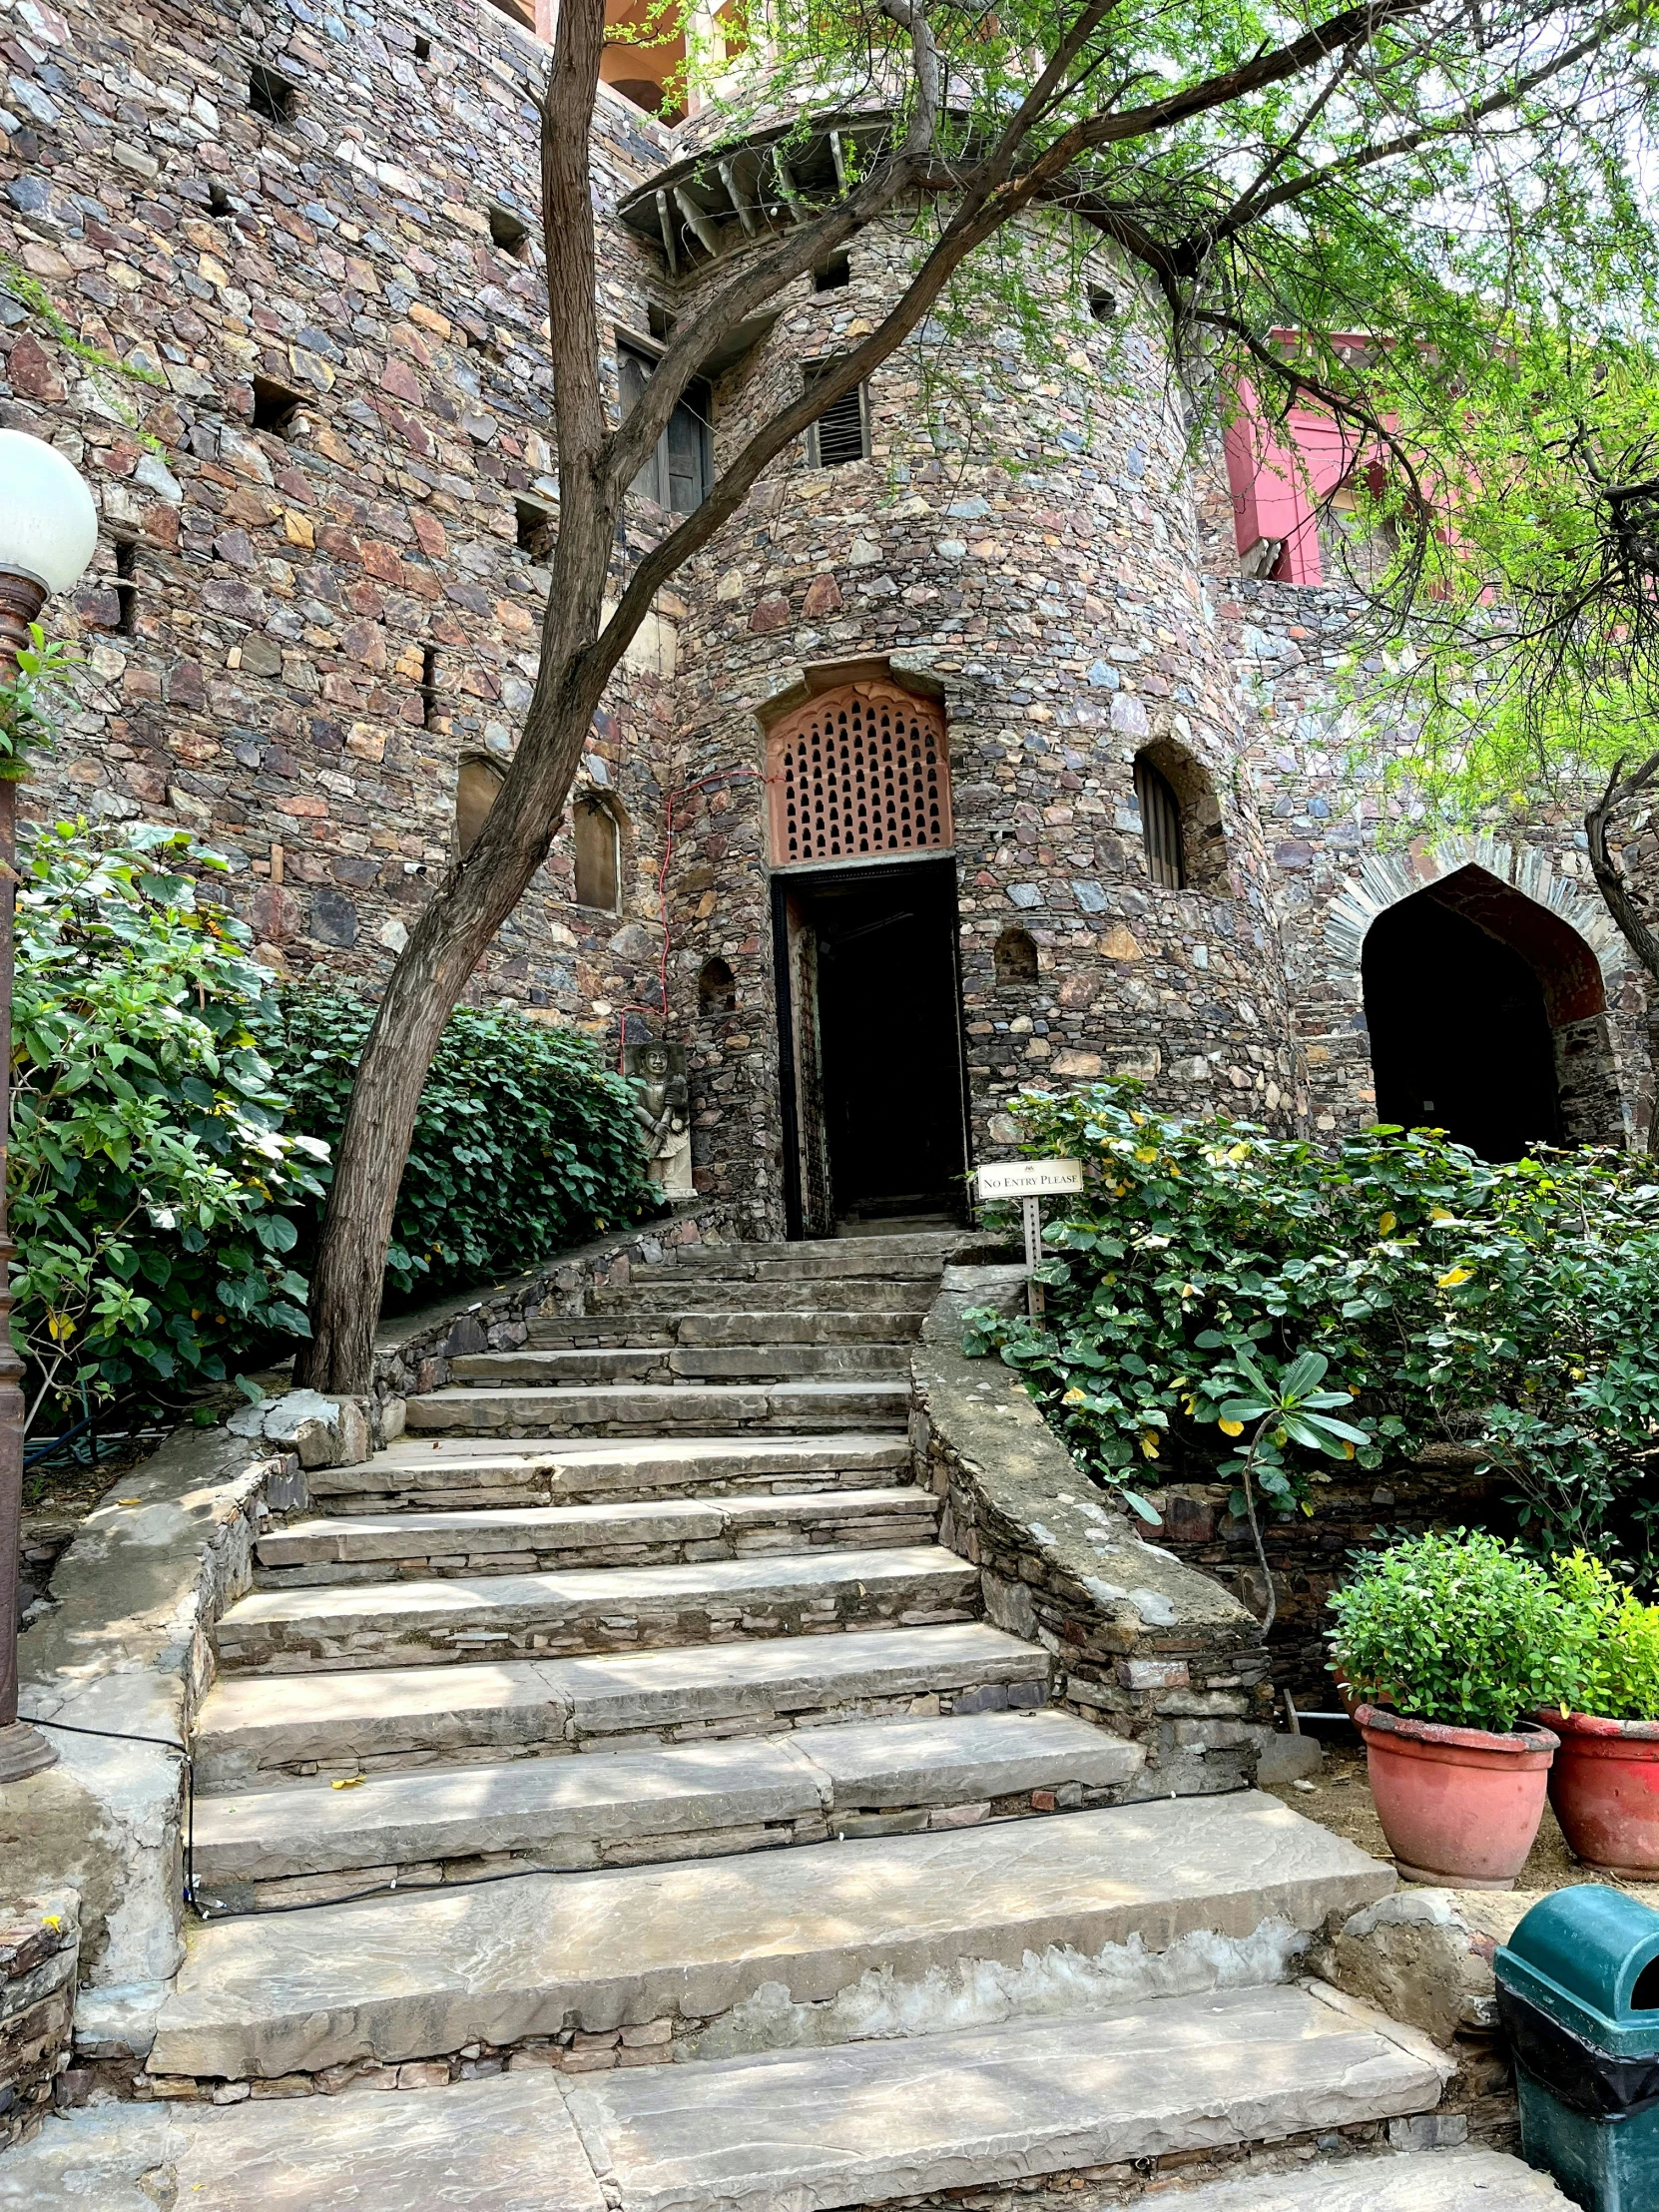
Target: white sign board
(1029, 1179)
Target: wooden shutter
(1160, 825)
(841, 433)
(863, 769)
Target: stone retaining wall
(1152, 1648)
(40, 1939)
(119, 1661)
(1309, 1554)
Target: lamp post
(48, 528)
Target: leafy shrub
(1617, 1638)
(1459, 1628)
(1516, 1305)
(150, 1174)
(523, 1142)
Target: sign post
(1030, 1181)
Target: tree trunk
(1615, 895)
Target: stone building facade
(311, 626)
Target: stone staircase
(629, 1711)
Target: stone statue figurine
(662, 1107)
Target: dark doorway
(872, 1034)
(1461, 1036)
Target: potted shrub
(1604, 1784)
(1448, 1641)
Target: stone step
(788, 1326)
(651, 1532)
(435, 1473)
(673, 1293)
(651, 1410)
(256, 1728)
(1079, 1913)
(892, 1258)
(503, 2144)
(509, 2143)
(503, 1616)
(872, 2122)
(630, 1807)
(1407, 2181)
(683, 1363)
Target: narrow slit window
(1015, 958)
(477, 787)
(509, 233)
(272, 95)
(680, 471)
(276, 405)
(1160, 825)
(126, 587)
(422, 49)
(717, 990)
(535, 531)
(429, 687)
(842, 433)
(598, 856)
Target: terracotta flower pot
(1604, 1787)
(1458, 1805)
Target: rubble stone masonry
(317, 592)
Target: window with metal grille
(861, 770)
(680, 471)
(1160, 824)
(842, 433)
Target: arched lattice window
(598, 856)
(476, 787)
(861, 768)
(1160, 824)
(1016, 957)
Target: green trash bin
(1578, 1996)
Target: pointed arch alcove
(1487, 1015)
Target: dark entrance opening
(1460, 1035)
(869, 1005)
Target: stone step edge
(857, 1779)
(813, 2130)
(700, 1517)
(1216, 1889)
(587, 1704)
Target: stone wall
(1151, 1648)
(258, 676)
(40, 1941)
(1041, 576)
(1342, 846)
(1310, 1555)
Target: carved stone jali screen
(858, 769)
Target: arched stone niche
(1562, 934)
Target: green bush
(151, 1175)
(1513, 1306)
(1617, 1638)
(1460, 1628)
(523, 1142)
